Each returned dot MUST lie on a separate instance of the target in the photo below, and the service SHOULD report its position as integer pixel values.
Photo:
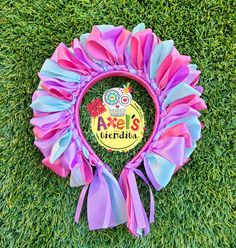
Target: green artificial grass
(197, 208)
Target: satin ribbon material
(179, 130)
(49, 121)
(50, 104)
(76, 178)
(60, 146)
(160, 169)
(176, 114)
(84, 166)
(170, 80)
(193, 124)
(108, 45)
(53, 70)
(67, 60)
(180, 91)
(45, 145)
(68, 157)
(59, 89)
(137, 217)
(56, 84)
(160, 52)
(170, 66)
(171, 148)
(45, 134)
(80, 54)
(192, 101)
(105, 194)
(56, 167)
(137, 48)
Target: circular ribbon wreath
(170, 80)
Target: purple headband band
(170, 80)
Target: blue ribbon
(159, 53)
(139, 27)
(193, 124)
(85, 151)
(50, 104)
(117, 199)
(161, 168)
(180, 91)
(53, 70)
(76, 178)
(104, 28)
(60, 146)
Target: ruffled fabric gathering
(172, 78)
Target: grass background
(197, 208)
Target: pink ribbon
(179, 130)
(56, 167)
(172, 148)
(169, 68)
(137, 48)
(192, 101)
(108, 45)
(68, 61)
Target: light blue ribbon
(53, 70)
(50, 104)
(104, 27)
(136, 29)
(159, 53)
(60, 146)
(85, 151)
(76, 178)
(117, 199)
(193, 66)
(83, 39)
(161, 168)
(193, 124)
(188, 151)
(180, 91)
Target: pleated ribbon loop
(162, 158)
(105, 203)
(171, 83)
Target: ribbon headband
(170, 80)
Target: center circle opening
(142, 93)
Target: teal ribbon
(161, 168)
(160, 52)
(136, 29)
(50, 104)
(53, 70)
(60, 146)
(180, 91)
(193, 124)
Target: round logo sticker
(117, 121)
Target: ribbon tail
(152, 205)
(80, 203)
(106, 203)
(117, 199)
(137, 217)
